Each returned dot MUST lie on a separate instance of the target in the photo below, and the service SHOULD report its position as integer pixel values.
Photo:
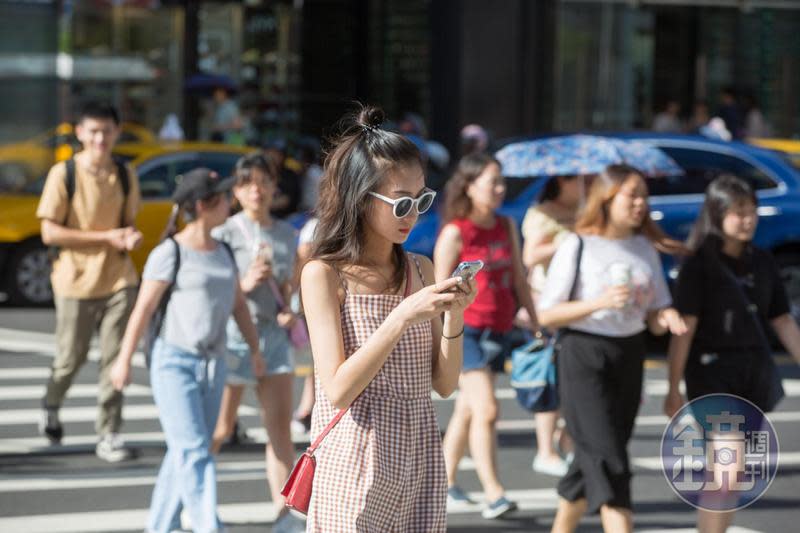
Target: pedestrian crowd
(228, 302)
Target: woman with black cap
(187, 370)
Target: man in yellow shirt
(88, 210)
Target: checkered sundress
(381, 469)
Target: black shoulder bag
(767, 389)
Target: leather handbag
(297, 489)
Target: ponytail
(172, 223)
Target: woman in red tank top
(474, 230)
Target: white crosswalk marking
(78, 390)
(22, 387)
(88, 414)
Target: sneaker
(289, 523)
(498, 508)
(50, 426)
(551, 467)
(301, 424)
(111, 449)
(239, 436)
(456, 495)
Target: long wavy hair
(356, 164)
(724, 193)
(594, 218)
(457, 204)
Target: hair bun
(370, 117)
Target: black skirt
(600, 387)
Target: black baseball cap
(199, 184)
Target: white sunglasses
(401, 207)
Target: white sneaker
(111, 449)
(557, 467)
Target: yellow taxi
(790, 146)
(24, 262)
(24, 162)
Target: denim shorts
(484, 348)
(276, 349)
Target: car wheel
(789, 266)
(29, 275)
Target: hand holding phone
(467, 269)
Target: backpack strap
(69, 183)
(229, 250)
(162, 305)
(122, 176)
(124, 181)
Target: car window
(701, 167)
(157, 177)
(220, 162)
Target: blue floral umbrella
(582, 154)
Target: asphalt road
(67, 489)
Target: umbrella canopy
(573, 155)
(206, 83)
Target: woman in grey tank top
(187, 372)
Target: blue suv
(675, 201)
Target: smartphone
(467, 269)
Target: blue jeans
(187, 389)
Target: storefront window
(604, 54)
(130, 55)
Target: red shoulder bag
(297, 489)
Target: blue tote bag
(534, 374)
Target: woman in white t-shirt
(620, 292)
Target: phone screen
(467, 269)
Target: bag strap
(276, 291)
(162, 306)
(578, 256)
(311, 449)
(122, 175)
(69, 183)
(749, 306)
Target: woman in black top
(723, 350)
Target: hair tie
(369, 128)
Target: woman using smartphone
(378, 340)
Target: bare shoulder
(450, 232)
(318, 272)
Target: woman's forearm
(789, 333)
(538, 254)
(678, 352)
(450, 357)
(566, 313)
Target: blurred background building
(515, 66)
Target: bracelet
(454, 336)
